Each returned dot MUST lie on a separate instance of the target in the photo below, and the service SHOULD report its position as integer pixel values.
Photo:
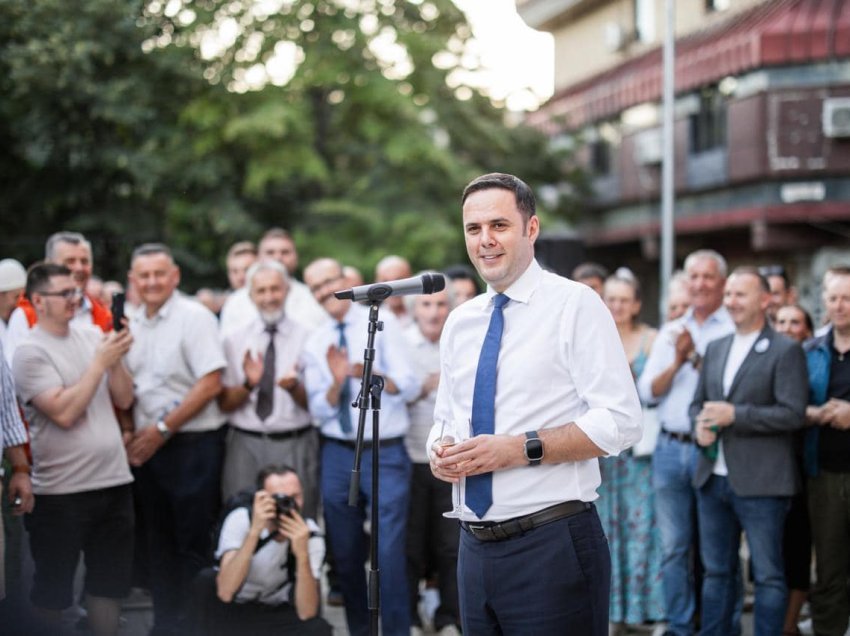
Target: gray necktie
(265, 396)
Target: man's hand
(113, 347)
(264, 509)
(143, 445)
(684, 345)
(720, 414)
(20, 487)
(430, 384)
(706, 433)
(478, 455)
(836, 413)
(815, 415)
(288, 381)
(293, 527)
(252, 366)
(338, 364)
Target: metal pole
(668, 238)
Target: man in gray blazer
(751, 395)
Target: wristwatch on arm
(533, 448)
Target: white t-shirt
(268, 577)
(741, 346)
(90, 454)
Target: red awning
(778, 32)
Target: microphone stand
(369, 398)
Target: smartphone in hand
(118, 310)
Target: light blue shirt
(391, 360)
(673, 406)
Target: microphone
(424, 284)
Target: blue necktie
(345, 391)
(479, 488)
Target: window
(708, 125)
(644, 11)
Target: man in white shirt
(270, 562)
(669, 379)
(752, 394)
(533, 556)
(276, 244)
(177, 447)
(68, 377)
(332, 369)
(267, 407)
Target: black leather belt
(298, 432)
(510, 528)
(367, 444)
(685, 438)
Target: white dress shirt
(391, 360)
(560, 361)
(289, 341)
(239, 310)
(172, 351)
(673, 406)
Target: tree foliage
(201, 123)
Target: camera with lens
(285, 504)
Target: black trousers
(179, 492)
(432, 542)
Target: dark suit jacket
(770, 392)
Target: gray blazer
(770, 392)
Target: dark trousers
(432, 542)
(551, 581)
(344, 525)
(179, 492)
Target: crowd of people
(204, 450)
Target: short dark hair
(753, 271)
(587, 270)
(525, 201)
(273, 469)
(463, 272)
(839, 270)
(775, 270)
(240, 248)
(146, 249)
(39, 275)
(275, 232)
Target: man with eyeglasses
(331, 371)
(68, 376)
(72, 250)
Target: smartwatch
(533, 448)
(163, 430)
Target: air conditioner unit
(648, 147)
(836, 117)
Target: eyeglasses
(68, 294)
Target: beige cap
(12, 275)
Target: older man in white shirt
(264, 393)
(177, 448)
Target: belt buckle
(480, 531)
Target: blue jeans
(349, 543)
(722, 516)
(552, 580)
(675, 503)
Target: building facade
(762, 128)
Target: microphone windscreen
(432, 283)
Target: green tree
(333, 118)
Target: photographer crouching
(270, 560)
